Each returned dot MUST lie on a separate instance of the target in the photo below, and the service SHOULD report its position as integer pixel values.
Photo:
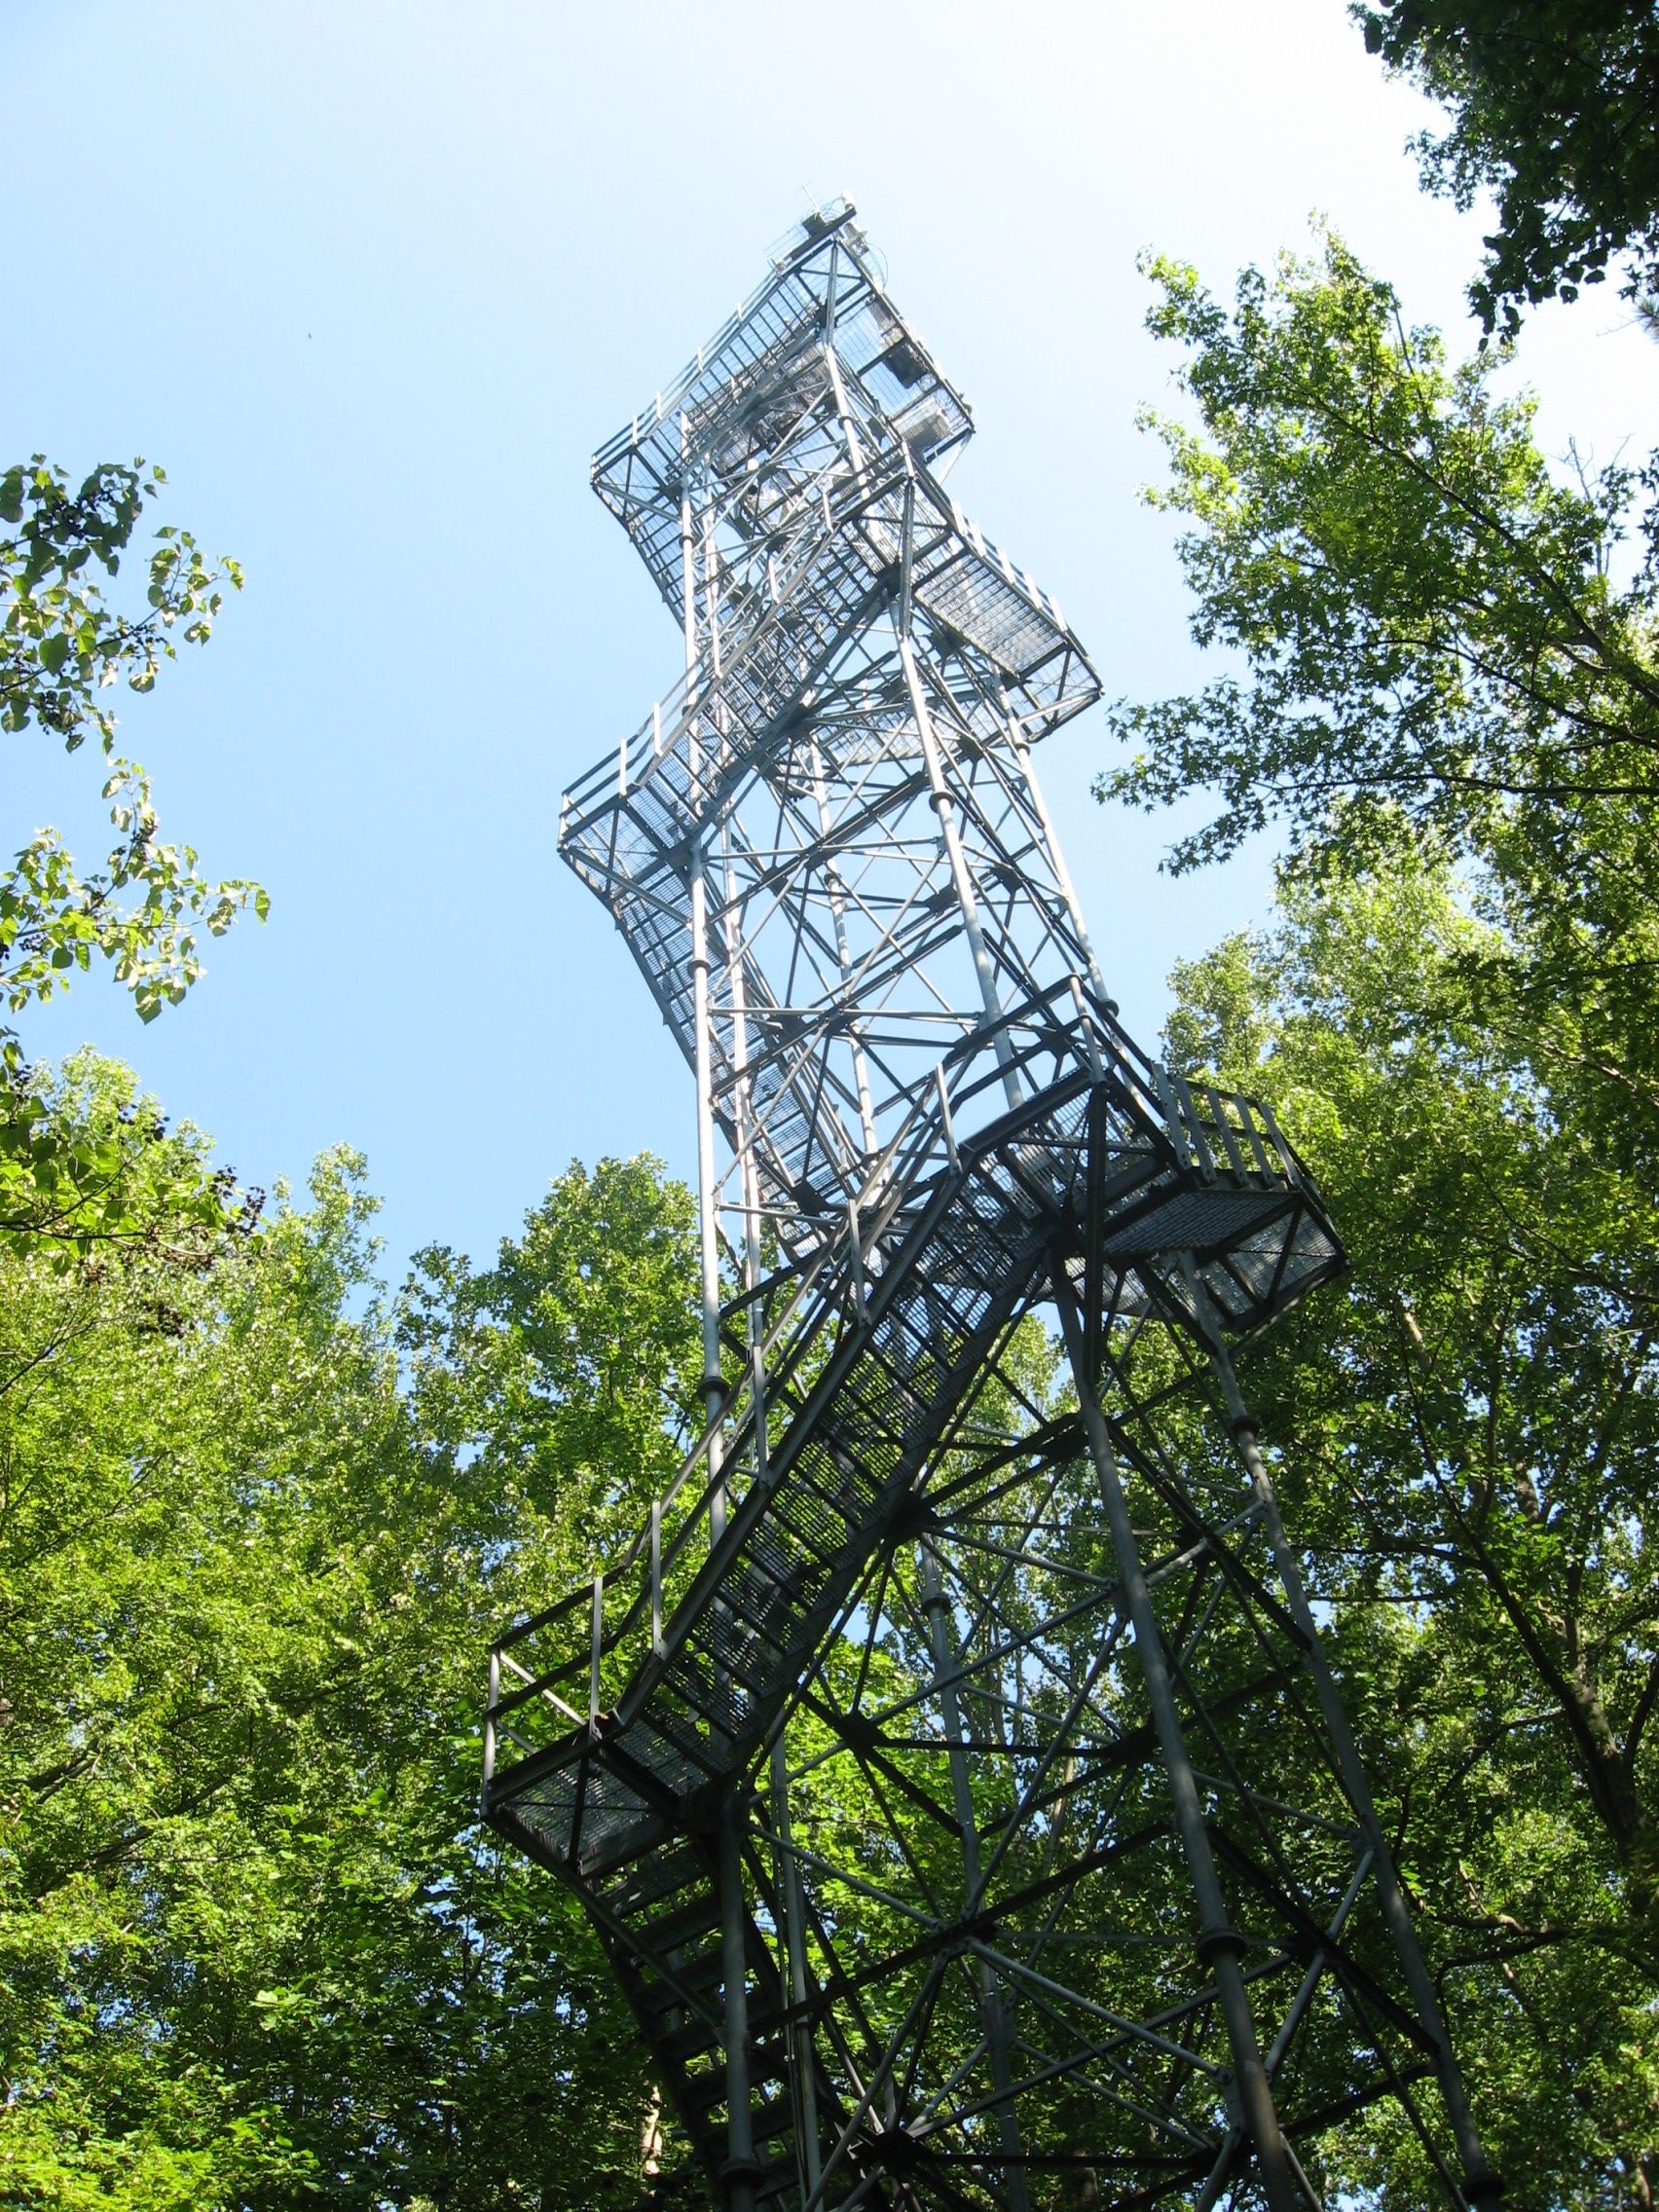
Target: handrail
(694, 699)
(834, 1285)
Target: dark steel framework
(950, 1767)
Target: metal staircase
(922, 1604)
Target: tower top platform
(745, 396)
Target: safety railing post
(598, 1641)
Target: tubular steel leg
(1481, 2184)
(990, 1994)
(742, 2171)
(945, 807)
(794, 1928)
(844, 954)
(708, 1232)
(1220, 1945)
(1056, 859)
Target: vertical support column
(803, 2067)
(742, 2173)
(1481, 2185)
(688, 550)
(843, 953)
(1220, 1945)
(945, 807)
(749, 1179)
(742, 2169)
(945, 1667)
(1052, 845)
(707, 1229)
(849, 429)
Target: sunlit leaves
(1426, 613)
(146, 909)
(1466, 1433)
(60, 643)
(256, 1948)
(53, 920)
(1552, 111)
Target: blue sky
(373, 280)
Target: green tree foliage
(1445, 693)
(1467, 1437)
(1435, 644)
(1426, 611)
(61, 648)
(1554, 109)
(257, 1528)
(82, 1165)
(569, 1368)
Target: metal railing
(597, 1644)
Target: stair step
(708, 2088)
(699, 1977)
(773, 2118)
(658, 1876)
(668, 1931)
(681, 2044)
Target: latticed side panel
(929, 1883)
(699, 1641)
(1059, 1915)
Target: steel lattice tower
(950, 1767)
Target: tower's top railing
(744, 396)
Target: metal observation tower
(950, 1765)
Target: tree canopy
(1441, 695)
(1555, 110)
(1466, 1437)
(257, 1524)
(1437, 646)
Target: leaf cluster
(1435, 652)
(1466, 1438)
(53, 921)
(85, 1166)
(254, 1947)
(1426, 613)
(1555, 110)
(61, 648)
(60, 643)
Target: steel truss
(951, 1766)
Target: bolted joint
(1245, 1424)
(1220, 1943)
(979, 1928)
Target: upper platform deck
(754, 413)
